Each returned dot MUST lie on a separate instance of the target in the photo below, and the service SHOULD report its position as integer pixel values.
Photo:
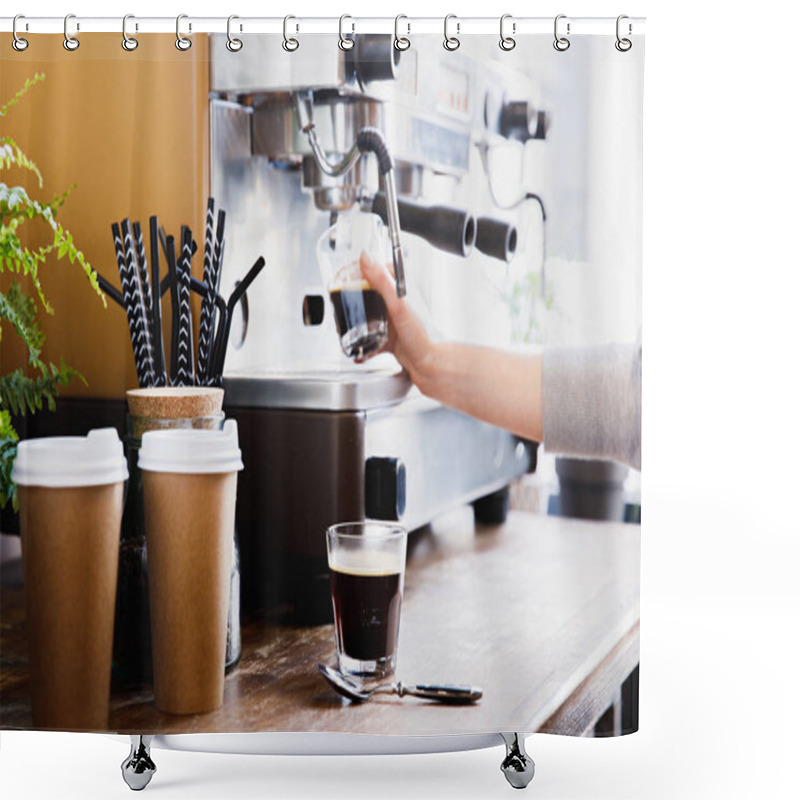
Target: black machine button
(384, 488)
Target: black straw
(110, 290)
(235, 297)
(158, 338)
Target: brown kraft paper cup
(189, 522)
(70, 547)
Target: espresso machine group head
(368, 140)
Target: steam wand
(367, 140)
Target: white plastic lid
(63, 461)
(192, 451)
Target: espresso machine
(325, 440)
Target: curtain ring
(19, 44)
(290, 44)
(129, 43)
(561, 43)
(507, 42)
(70, 42)
(623, 45)
(182, 42)
(233, 44)
(344, 42)
(401, 42)
(451, 42)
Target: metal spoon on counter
(455, 695)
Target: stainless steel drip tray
(319, 389)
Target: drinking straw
(236, 296)
(162, 235)
(128, 301)
(185, 355)
(216, 274)
(173, 286)
(144, 277)
(214, 376)
(139, 308)
(158, 338)
(211, 379)
(110, 290)
(207, 305)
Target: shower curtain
(514, 173)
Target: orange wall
(131, 130)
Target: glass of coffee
(358, 310)
(367, 565)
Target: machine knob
(375, 57)
(520, 121)
(384, 488)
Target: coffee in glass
(367, 566)
(359, 311)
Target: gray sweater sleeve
(592, 402)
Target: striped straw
(144, 275)
(171, 280)
(216, 274)
(127, 296)
(207, 307)
(144, 280)
(185, 376)
(142, 331)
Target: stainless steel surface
(456, 695)
(138, 768)
(321, 390)
(517, 766)
(394, 232)
(304, 109)
(278, 130)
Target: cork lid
(173, 402)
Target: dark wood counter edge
(595, 693)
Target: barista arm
(496, 386)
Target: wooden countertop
(541, 612)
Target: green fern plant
(28, 391)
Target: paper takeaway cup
(70, 494)
(189, 480)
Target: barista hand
(499, 387)
(408, 339)
(583, 401)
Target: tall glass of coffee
(358, 310)
(367, 565)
